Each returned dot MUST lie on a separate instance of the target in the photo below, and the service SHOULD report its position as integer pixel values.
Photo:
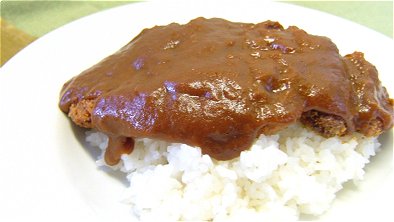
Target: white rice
(282, 176)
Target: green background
(39, 17)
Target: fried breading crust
(80, 113)
(325, 124)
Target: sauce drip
(117, 145)
(218, 85)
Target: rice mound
(280, 177)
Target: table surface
(28, 20)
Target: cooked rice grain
(281, 176)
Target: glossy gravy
(217, 85)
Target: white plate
(45, 171)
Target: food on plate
(267, 121)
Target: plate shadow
(94, 152)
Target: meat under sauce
(218, 85)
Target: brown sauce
(218, 85)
